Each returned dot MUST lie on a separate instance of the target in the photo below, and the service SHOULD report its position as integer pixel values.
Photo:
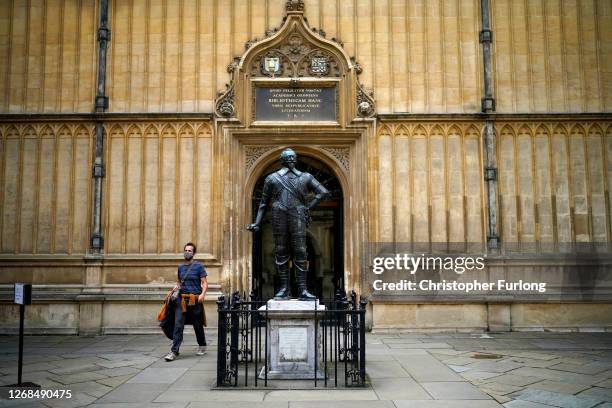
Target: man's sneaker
(201, 351)
(171, 356)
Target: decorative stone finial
(294, 5)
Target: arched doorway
(324, 238)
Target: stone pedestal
(292, 342)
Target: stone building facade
(129, 127)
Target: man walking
(189, 304)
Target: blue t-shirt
(190, 275)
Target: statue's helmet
(286, 154)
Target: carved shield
(318, 65)
(271, 65)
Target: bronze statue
(288, 188)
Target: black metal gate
(243, 343)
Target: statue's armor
(290, 214)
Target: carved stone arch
(64, 131)
(560, 129)
(168, 130)
(507, 130)
(472, 130)
(29, 131)
(296, 42)
(342, 155)
(436, 131)
(272, 154)
(595, 129)
(402, 131)
(46, 132)
(577, 129)
(82, 132)
(419, 131)
(454, 129)
(151, 131)
(254, 153)
(384, 131)
(542, 129)
(204, 129)
(186, 128)
(525, 130)
(116, 130)
(134, 129)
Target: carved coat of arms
(319, 65)
(271, 65)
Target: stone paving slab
(560, 387)
(495, 366)
(241, 404)
(428, 368)
(460, 360)
(405, 370)
(195, 380)
(499, 389)
(606, 383)
(458, 369)
(78, 378)
(114, 381)
(535, 363)
(592, 368)
(599, 393)
(516, 380)
(402, 340)
(555, 375)
(399, 389)
(141, 405)
(556, 399)
(389, 369)
(525, 404)
(91, 388)
(77, 400)
(427, 346)
(167, 375)
(321, 395)
(118, 372)
(134, 393)
(212, 396)
(454, 391)
(341, 404)
(22, 404)
(117, 364)
(447, 404)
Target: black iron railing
(244, 342)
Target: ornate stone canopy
(294, 55)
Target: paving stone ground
(510, 370)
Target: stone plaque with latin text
(295, 104)
(292, 344)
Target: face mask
(188, 256)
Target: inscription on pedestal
(295, 104)
(293, 344)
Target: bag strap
(178, 272)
